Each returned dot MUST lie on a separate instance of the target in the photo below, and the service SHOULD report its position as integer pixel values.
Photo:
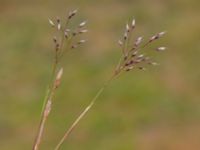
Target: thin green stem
(48, 97)
(84, 112)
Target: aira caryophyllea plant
(65, 40)
(132, 57)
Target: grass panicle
(131, 58)
(63, 42)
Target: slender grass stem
(83, 113)
(39, 133)
(117, 68)
(48, 97)
(55, 77)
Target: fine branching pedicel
(65, 40)
(132, 58)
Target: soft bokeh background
(158, 109)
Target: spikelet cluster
(66, 38)
(132, 56)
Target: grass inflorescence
(132, 57)
(65, 40)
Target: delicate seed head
(153, 63)
(125, 35)
(129, 68)
(131, 56)
(153, 38)
(72, 13)
(138, 41)
(134, 54)
(161, 34)
(133, 23)
(59, 26)
(82, 24)
(127, 28)
(83, 31)
(161, 48)
(81, 41)
(51, 23)
(67, 30)
(157, 36)
(140, 56)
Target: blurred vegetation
(152, 110)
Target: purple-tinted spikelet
(131, 51)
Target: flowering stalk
(131, 58)
(65, 36)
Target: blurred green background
(158, 109)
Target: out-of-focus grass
(156, 109)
